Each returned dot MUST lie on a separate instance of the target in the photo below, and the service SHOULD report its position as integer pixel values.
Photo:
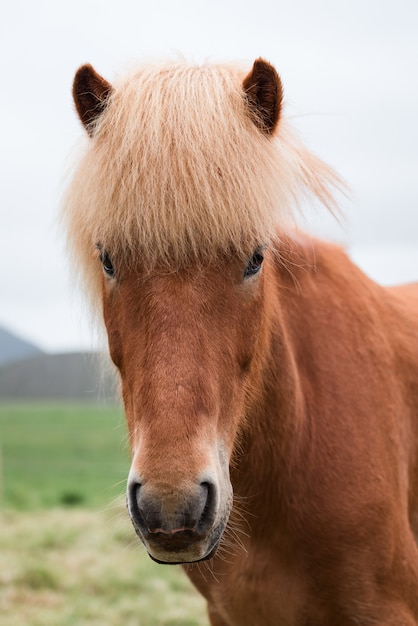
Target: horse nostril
(133, 502)
(133, 493)
(208, 498)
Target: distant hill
(13, 348)
(73, 376)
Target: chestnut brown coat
(270, 387)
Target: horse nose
(170, 511)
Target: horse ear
(264, 92)
(90, 93)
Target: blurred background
(350, 72)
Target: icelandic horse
(270, 387)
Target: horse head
(185, 344)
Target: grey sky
(350, 71)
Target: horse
(270, 387)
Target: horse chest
(253, 591)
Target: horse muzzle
(177, 525)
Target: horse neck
(314, 295)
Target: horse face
(185, 344)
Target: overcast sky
(350, 72)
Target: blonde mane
(177, 170)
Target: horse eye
(106, 263)
(255, 263)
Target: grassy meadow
(68, 553)
(57, 454)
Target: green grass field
(68, 553)
(53, 455)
